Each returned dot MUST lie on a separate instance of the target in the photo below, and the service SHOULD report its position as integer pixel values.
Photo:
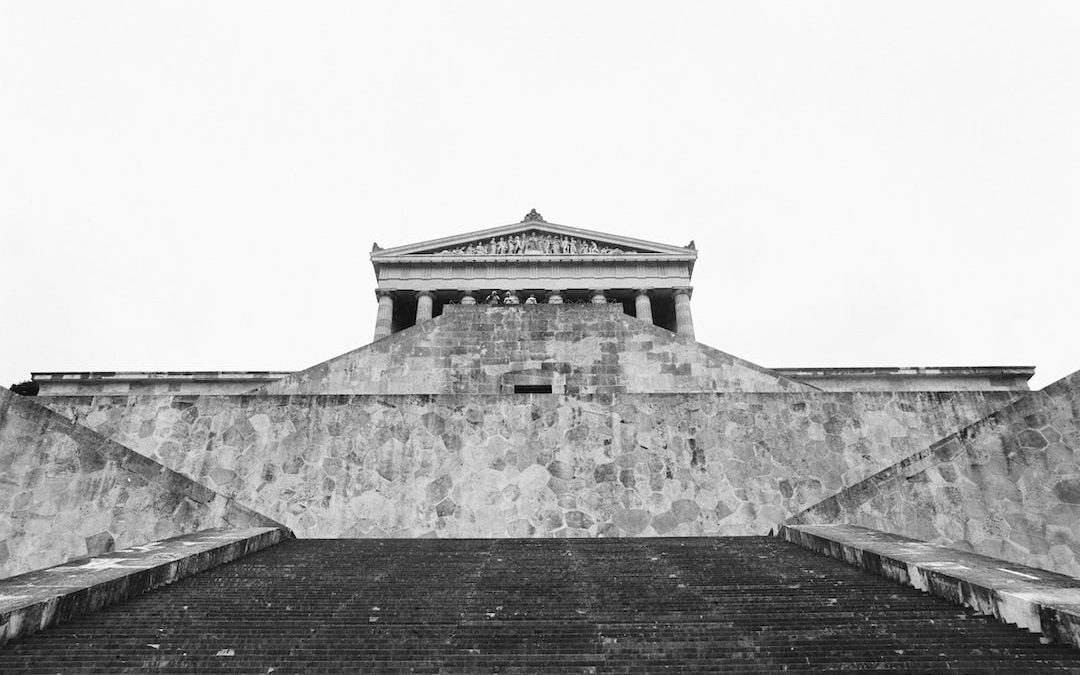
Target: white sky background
(197, 185)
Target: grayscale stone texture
(66, 492)
(530, 465)
(579, 349)
(1006, 486)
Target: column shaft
(385, 318)
(424, 306)
(684, 322)
(643, 305)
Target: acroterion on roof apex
(533, 216)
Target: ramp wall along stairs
(693, 605)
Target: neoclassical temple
(534, 262)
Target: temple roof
(535, 238)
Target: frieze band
(534, 243)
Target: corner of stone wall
(76, 493)
(1007, 486)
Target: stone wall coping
(249, 399)
(42, 598)
(921, 371)
(1041, 601)
(162, 375)
(1024, 372)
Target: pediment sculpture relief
(534, 243)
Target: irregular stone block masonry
(530, 465)
(578, 350)
(67, 492)
(1007, 486)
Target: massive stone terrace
(569, 349)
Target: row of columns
(425, 302)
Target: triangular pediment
(533, 237)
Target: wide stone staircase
(723, 605)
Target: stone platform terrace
(697, 605)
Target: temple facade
(534, 262)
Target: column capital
(385, 292)
(688, 291)
(643, 291)
(421, 294)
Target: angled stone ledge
(1041, 601)
(36, 600)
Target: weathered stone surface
(592, 349)
(1007, 486)
(495, 466)
(68, 492)
(42, 598)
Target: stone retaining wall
(530, 465)
(1007, 486)
(67, 492)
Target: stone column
(424, 305)
(385, 318)
(684, 322)
(555, 298)
(598, 297)
(468, 298)
(643, 305)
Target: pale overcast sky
(197, 185)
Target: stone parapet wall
(530, 465)
(67, 492)
(161, 383)
(1007, 486)
(577, 349)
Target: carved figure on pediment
(535, 243)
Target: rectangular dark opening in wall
(532, 388)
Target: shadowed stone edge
(1040, 601)
(36, 600)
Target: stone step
(731, 605)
